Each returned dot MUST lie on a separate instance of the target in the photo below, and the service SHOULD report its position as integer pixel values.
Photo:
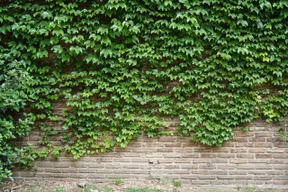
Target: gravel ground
(113, 186)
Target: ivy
(122, 67)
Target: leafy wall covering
(122, 66)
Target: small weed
(117, 180)
(32, 188)
(145, 189)
(103, 189)
(59, 190)
(176, 183)
(35, 171)
(165, 181)
(247, 189)
(153, 177)
(87, 189)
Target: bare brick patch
(254, 158)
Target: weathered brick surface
(254, 158)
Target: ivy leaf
(106, 53)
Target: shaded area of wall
(258, 157)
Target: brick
(266, 145)
(154, 155)
(62, 165)
(165, 161)
(62, 175)
(241, 139)
(219, 182)
(173, 155)
(256, 172)
(130, 155)
(256, 150)
(165, 149)
(263, 177)
(257, 139)
(53, 170)
(277, 183)
(257, 161)
(223, 177)
(199, 182)
(127, 160)
(183, 150)
(277, 150)
(197, 161)
(181, 171)
(84, 170)
(186, 161)
(238, 182)
(275, 161)
(236, 172)
(44, 175)
(142, 150)
(218, 160)
(245, 156)
(224, 155)
(280, 177)
(171, 166)
(200, 172)
(244, 177)
(135, 144)
(155, 145)
(263, 167)
(189, 166)
(245, 167)
(118, 149)
(280, 156)
(238, 150)
(112, 166)
(253, 182)
(78, 164)
(238, 161)
(228, 144)
(281, 144)
(226, 166)
(167, 139)
(244, 144)
(280, 167)
(218, 172)
(190, 145)
(278, 172)
(202, 149)
(244, 134)
(94, 165)
(208, 155)
(173, 145)
(190, 155)
(263, 156)
(207, 177)
(263, 134)
(207, 166)
(138, 171)
(27, 174)
(131, 166)
(45, 164)
(220, 150)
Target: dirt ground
(115, 185)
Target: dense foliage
(123, 66)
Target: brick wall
(258, 157)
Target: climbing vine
(121, 67)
